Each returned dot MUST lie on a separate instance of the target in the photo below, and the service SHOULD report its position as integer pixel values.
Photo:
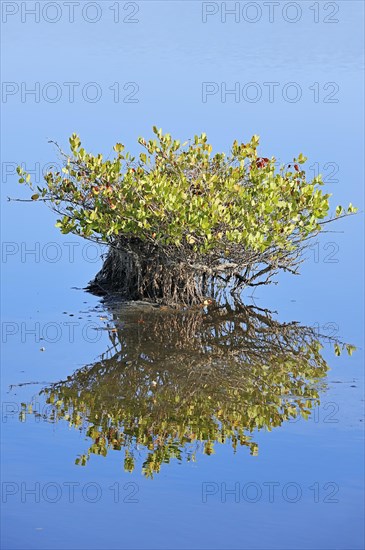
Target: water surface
(299, 485)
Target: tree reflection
(176, 383)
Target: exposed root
(147, 273)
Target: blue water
(162, 63)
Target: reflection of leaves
(183, 381)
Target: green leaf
(350, 349)
(118, 147)
(351, 209)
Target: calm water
(133, 374)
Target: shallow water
(299, 485)
(171, 422)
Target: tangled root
(147, 273)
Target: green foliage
(184, 223)
(186, 196)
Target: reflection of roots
(141, 273)
(229, 330)
(174, 382)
